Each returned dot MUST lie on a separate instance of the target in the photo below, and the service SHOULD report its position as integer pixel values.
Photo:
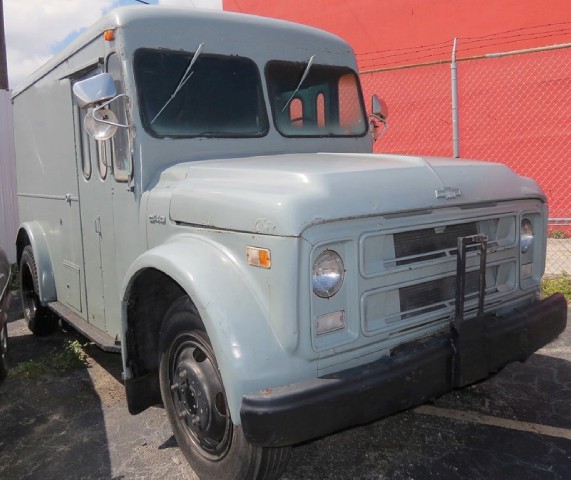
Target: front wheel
(195, 402)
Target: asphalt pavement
(75, 425)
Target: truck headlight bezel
(526, 236)
(327, 274)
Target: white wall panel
(8, 204)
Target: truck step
(101, 339)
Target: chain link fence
(513, 108)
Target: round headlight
(526, 235)
(327, 274)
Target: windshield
(326, 102)
(183, 94)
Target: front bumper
(415, 373)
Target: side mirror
(95, 94)
(379, 114)
(94, 90)
(379, 108)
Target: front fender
(37, 238)
(249, 355)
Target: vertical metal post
(455, 124)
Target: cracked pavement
(76, 426)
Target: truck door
(108, 212)
(95, 191)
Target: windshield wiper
(305, 73)
(187, 74)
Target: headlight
(526, 236)
(327, 274)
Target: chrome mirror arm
(109, 122)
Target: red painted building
(514, 109)
(408, 31)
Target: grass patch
(558, 233)
(57, 361)
(560, 283)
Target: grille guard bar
(466, 368)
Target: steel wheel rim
(198, 396)
(29, 296)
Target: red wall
(390, 32)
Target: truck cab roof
(231, 33)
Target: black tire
(195, 402)
(3, 352)
(40, 319)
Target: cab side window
(121, 147)
(89, 146)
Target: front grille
(405, 281)
(430, 243)
(433, 295)
(410, 275)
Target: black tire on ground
(195, 402)
(40, 319)
(3, 352)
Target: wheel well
(151, 294)
(21, 242)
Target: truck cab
(198, 191)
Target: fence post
(455, 124)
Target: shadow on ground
(52, 421)
(75, 424)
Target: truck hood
(284, 194)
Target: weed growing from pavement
(57, 361)
(560, 283)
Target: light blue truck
(198, 191)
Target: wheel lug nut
(183, 375)
(175, 386)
